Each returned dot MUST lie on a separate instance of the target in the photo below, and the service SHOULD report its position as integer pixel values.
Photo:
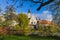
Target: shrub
(3, 30)
(50, 30)
(15, 30)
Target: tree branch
(43, 4)
(36, 1)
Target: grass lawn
(14, 37)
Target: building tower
(29, 14)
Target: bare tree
(55, 8)
(41, 2)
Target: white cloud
(46, 15)
(45, 12)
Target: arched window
(31, 22)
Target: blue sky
(25, 8)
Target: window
(31, 22)
(35, 27)
(34, 22)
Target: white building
(32, 21)
(32, 18)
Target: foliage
(55, 9)
(10, 13)
(17, 30)
(50, 30)
(14, 37)
(3, 31)
(27, 31)
(16, 27)
(6, 23)
(23, 22)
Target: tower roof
(28, 10)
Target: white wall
(33, 20)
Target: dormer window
(31, 22)
(34, 22)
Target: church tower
(29, 14)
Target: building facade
(32, 20)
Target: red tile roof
(44, 22)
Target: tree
(50, 30)
(6, 23)
(41, 2)
(55, 8)
(10, 13)
(23, 21)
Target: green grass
(14, 37)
